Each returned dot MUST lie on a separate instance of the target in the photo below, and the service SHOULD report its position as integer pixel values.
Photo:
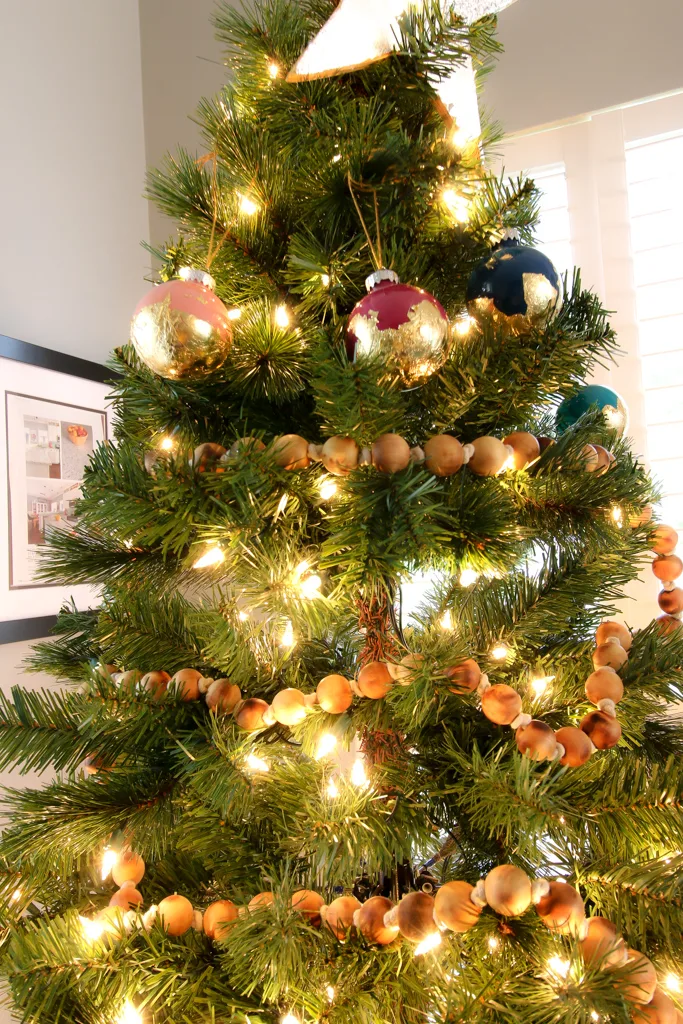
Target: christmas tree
(279, 796)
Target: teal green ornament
(612, 405)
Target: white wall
(72, 162)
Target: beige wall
(71, 171)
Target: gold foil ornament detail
(417, 348)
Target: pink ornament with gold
(404, 325)
(181, 328)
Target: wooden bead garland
(667, 567)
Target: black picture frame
(14, 630)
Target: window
(553, 231)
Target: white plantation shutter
(553, 231)
(654, 170)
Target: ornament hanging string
(376, 249)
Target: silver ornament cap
(379, 277)
(200, 276)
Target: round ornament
(404, 325)
(602, 729)
(416, 916)
(155, 683)
(464, 677)
(308, 903)
(249, 713)
(223, 696)
(562, 909)
(185, 684)
(490, 455)
(288, 706)
(508, 890)
(660, 1010)
(663, 539)
(577, 746)
(608, 629)
(612, 405)
(453, 907)
(667, 568)
(340, 455)
(374, 680)
(130, 867)
(671, 601)
(291, 451)
(501, 704)
(334, 694)
(176, 914)
(218, 916)
(525, 448)
(127, 898)
(604, 684)
(602, 944)
(390, 453)
(639, 982)
(516, 286)
(610, 654)
(536, 740)
(181, 328)
(369, 921)
(443, 455)
(338, 916)
(262, 899)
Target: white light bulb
(446, 620)
(463, 325)
(325, 279)
(595, 1015)
(358, 776)
(273, 69)
(235, 313)
(92, 930)
(214, 556)
(541, 684)
(336, 158)
(16, 896)
(327, 487)
(329, 991)
(287, 638)
(431, 941)
(281, 316)
(289, 1018)
(247, 206)
(167, 443)
(493, 943)
(617, 514)
(282, 505)
(128, 1014)
(109, 859)
(310, 586)
(558, 966)
(256, 764)
(468, 577)
(457, 205)
(500, 652)
(673, 982)
(326, 745)
(242, 616)
(332, 790)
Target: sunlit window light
(358, 776)
(128, 1014)
(325, 280)
(326, 745)
(247, 206)
(540, 684)
(327, 487)
(235, 313)
(281, 316)
(672, 982)
(273, 69)
(109, 858)
(256, 764)
(462, 325)
(287, 638)
(431, 941)
(493, 943)
(332, 790)
(500, 652)
(167, 443)
(446, 620)
(214, 556)
(92, 930)
(559, 967)
(468, 577)
(617, 514)
(458, 205)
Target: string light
(128, 543)
(214, 556)
(332, 790)
(109, 859)
(167, 443)
(500, 653)
(282, 505)
(336, 158)
(289, 1018)
(310, 586)
(287, 638)
(92, 930)
(617, 514)
(673, 982)
(493, 943)
(329, 991)
(247, 206)
(541, 684)
(16, 896)
(326, 745)
(457, 205)
(242, 616)
(235, 313)
(430, 942)
(446, 620)
(463, 325)
(325, 279)
(358, 776)
(327, 487)
(129, 1015)
(509, 463)
(273, 69)
(256, 764)
(281, 316)
(559, 967)
(468, 577)
(595, 1015)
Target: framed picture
(53, 412)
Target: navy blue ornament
(516, 285)
(612, 405)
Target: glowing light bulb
(235, 313)
(500, 652)
(327, 487)
(468, 577)
(446, 620)
(273, 69)
(541, 684)
(461, 139)
(256, 764)
(617, 515)
(431, 941)
(128, 1014)
(214, 556)
(242, 616)
(128, 543)
(329, 991)
(595, 1015)
(287, 638)
(281, 316)
(92, 930)
(16, 896)
(167, 444)
(326, 745)
(509, 463)
(247, 206)
(332, 790)
(109, 858)
(673, 982)
(559, 967)
(358, 776)
(336, 158)
(282, 505)
(457, 205)
(310, 586)
(289, 1018)
(463, 325)
(325, 279)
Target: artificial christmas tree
(278, 799)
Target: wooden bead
(155, 683)
(663, 539)
(536, 740)
(218, 917)
(602, 945)
(262, 899)
(288, 706)
(604, 684)
(308, 903)
(526, 448)
(206, 456)
(185, 684)
(667, 568)
(223, 696)
(443, 455)
(128, 681)
(577, 746)
(453, 907)
(175, 914)
(129, 867)
(249, 713)
(340, 455)
(464, 677)
(105, 672)
(374, 680)
(607, 630)
(605, 459)
(390, 453)
(338, 916)
(545, 442)
(416, 916)
(562, 909)
(291, 451)
(661, 1010)
(637, 519)
(603, 730)
(94, 764)
(501, 704)
(508, 890)
(671, 601)
(369, 921)
(590, 458)
(490, 455)
(245, 446)
(638, 982)
(667, 624)
(126, 899)
(610, 654)
(334, 694)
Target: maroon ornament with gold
(181, 328)
(404, 325)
